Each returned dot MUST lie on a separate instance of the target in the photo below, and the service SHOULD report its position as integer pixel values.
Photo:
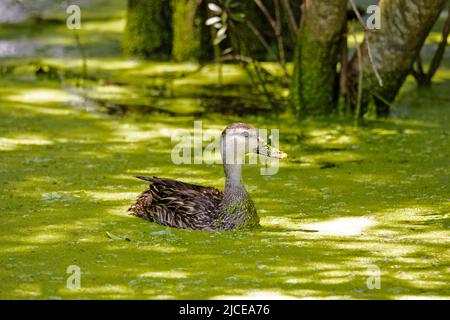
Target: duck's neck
(233, 169)
(233, 176)
(238, 207)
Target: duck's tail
(154, 179)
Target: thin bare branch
(372, 62)
(416, 74)
(292, 24)
(278, 33)
(266, 13)
(343, 76)
(435, 63)
(267, 46)
(360, 87)
(420, 65)
(369, 50)
(261, 38)
(358, 15)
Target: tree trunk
(186, 35)
(314, 81)
(423, 78)
(148, 31)
(404, 26)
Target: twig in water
(82, 54)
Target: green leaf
(113, 236)
(234, 5)
(238, 16)
(219, 39)
(116, 237)
(224, 17)
(227, 51)
(222, 31)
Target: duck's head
(241, 138)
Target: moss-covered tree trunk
(148, 31)
(314, 80)
(186, 34)
(404, 26)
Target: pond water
(347, 200)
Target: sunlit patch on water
(28, 48)
(342, 226)
(257, 295)
(16, 48)
(23, 140)
(165, 274)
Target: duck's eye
(245, 134)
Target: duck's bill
(271, 152)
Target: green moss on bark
(148, 31)
(313, 88)
(186, 33)
(381, 97)
(314, 82)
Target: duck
(182, 205)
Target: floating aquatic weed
(162, 232)
(37, 160)
(55, 196)
(262, 267)
(231, 279)
(116, 237)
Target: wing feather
(177, 204)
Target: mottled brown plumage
(178, 204)
(182, 205)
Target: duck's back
(178, 204)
